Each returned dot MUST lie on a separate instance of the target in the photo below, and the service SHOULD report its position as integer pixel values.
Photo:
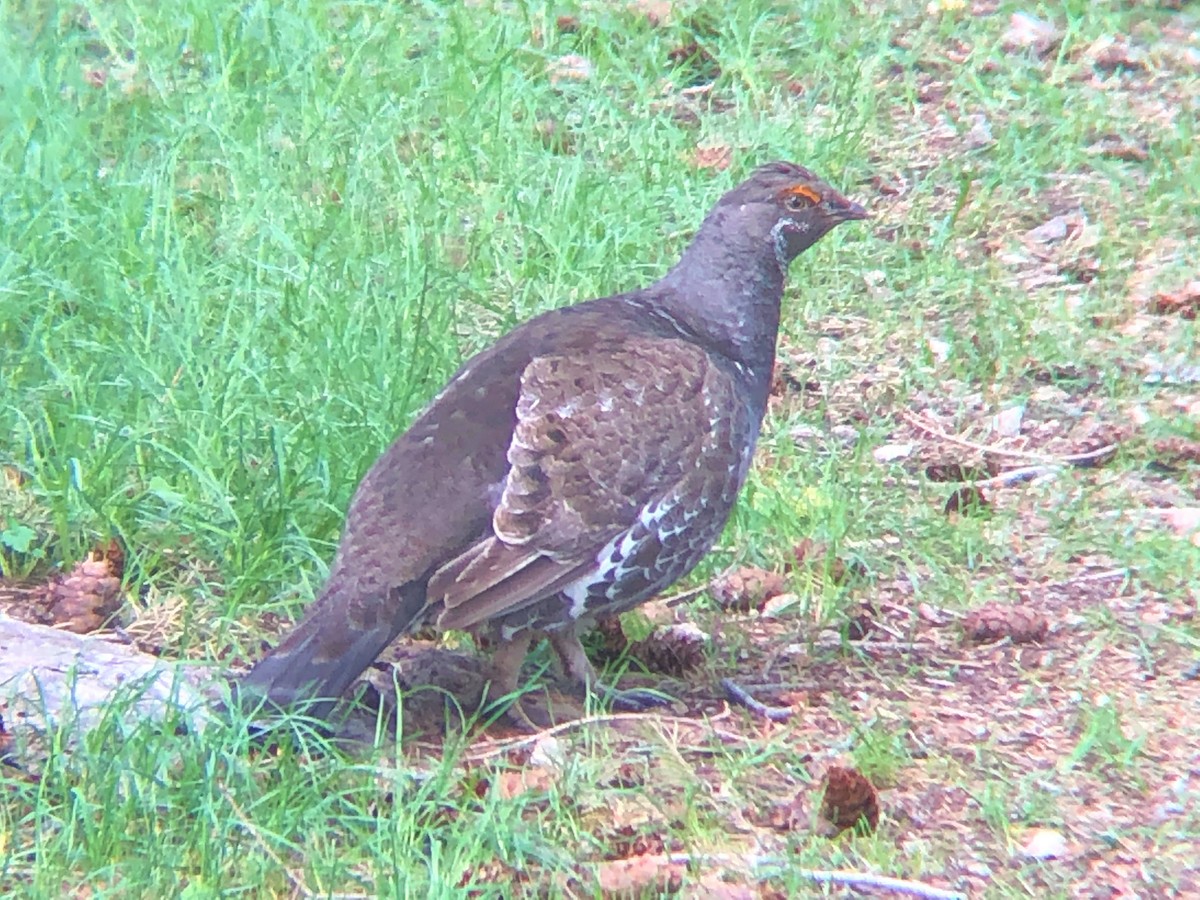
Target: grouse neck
(729, 297)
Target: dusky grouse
(583, 463)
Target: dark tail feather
(327, 650)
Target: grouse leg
(505, 682)
(582, 675)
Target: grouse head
(787, 205)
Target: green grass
(243, 244)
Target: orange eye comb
(804, 191)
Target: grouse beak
(843, 210)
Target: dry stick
(881, 882)
(683, 596)
(503, 747)
(820, 876)
(1016, 476)
(741, 697)
(1072, 459)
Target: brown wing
(600, 437)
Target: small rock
(777, 605)
(846, 434)
(1044, 843)
(1049, 232)
(892, 452)
(1007, 422)
(1049, 395)
(980, 133)
(938, 349)
(548, 754)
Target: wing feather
(598, 441)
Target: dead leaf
(556, 137)
(747, 588)
(637, 875)
(712, 886)
(1184, 521)
(861, 622)
(1028, 32)
(995, 621)
(815, 554)
(847, 799)
(716, 157)
(789, 815)
(955, 471)
(697, 65)
(1113, 54)
(931, 614)
(1114, 146)
(511, 783)
(1184, 302)
(968, 501)
(1176, 451)
(571, 67)
(793, 376)
(657, 12)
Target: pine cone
(848, 798)
(995, 621)
(671, 650)
(83, 600)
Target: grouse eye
(800, 197)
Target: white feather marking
(610, 561)
(578, 592)
(778, 234)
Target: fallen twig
(883, 883)
(741, 697)
(1080, 460)
(684, 596)
(823, 876)
(505, 746)
(1016, 476)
